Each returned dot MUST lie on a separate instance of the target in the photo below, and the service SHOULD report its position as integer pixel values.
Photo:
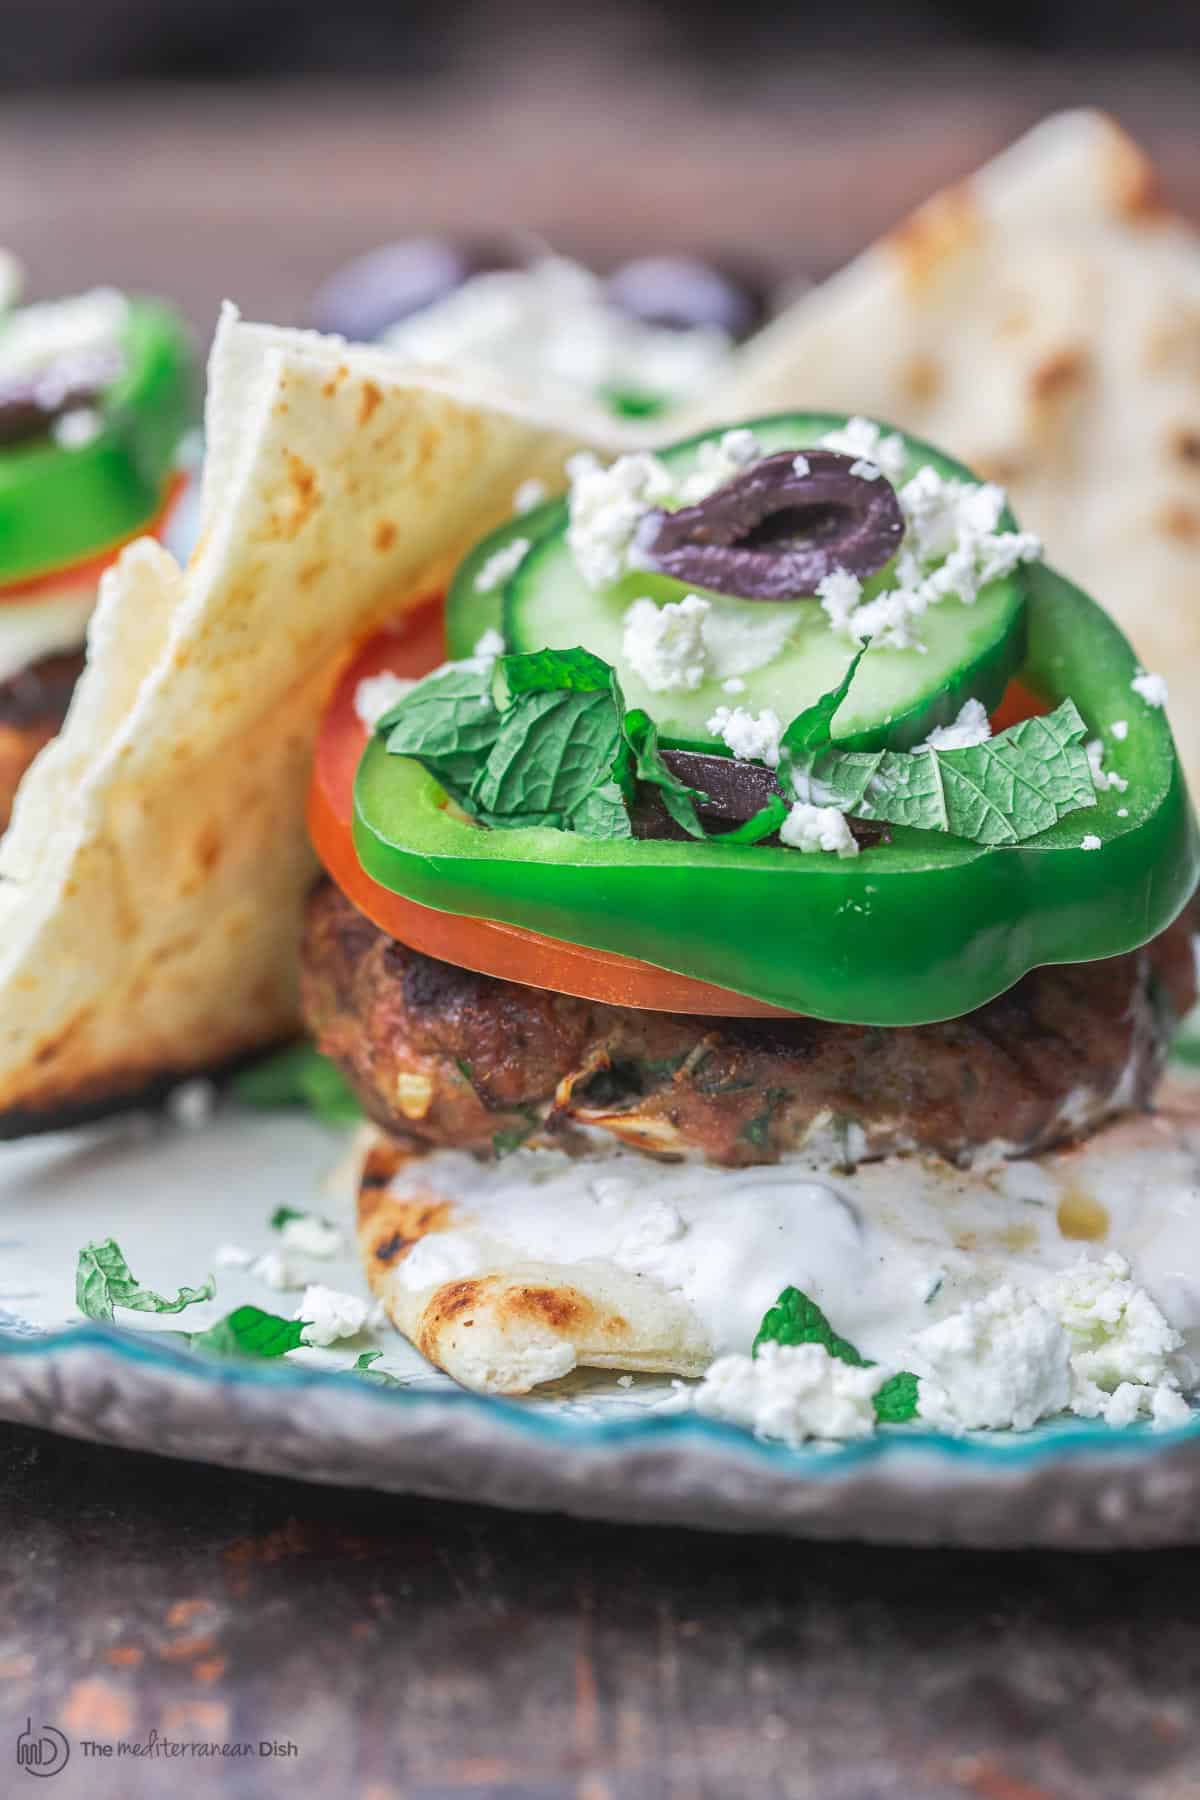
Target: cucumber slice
(470, 612)
(898, 695)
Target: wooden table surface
(410, 1651)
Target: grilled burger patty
(444, 1057)
(33, 705)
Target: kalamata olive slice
(734, 791)
(396, 281)
(29, 404)
(778, 528)
(681, 293)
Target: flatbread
(515, 1322)
(1041, 320)
(153, 877)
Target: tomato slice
(92, 567)
(413, 648)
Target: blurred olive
(680, 293)
(384, 286)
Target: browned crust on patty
(442, 1056)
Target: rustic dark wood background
(413, 1652)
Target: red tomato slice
(92, 567)
(413, 648)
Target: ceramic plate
(591, 1447)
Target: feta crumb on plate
(192, 1103)
(330, 1314)
(232, 1256)
(792, 1392)
(311, 1236)
(274, 1271)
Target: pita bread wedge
(152, 880)
(1040, 320)
(476, 1301)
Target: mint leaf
(448, 723)
(812, 730)
(795, 1319)
(550, 671)
(104, 1280)
(641, 734)
(602, 814)
(896, 1400)
(380, 1377)
(283, 1215)
(553, 748)
(763, 824)
(1004, 791)
(300, 1076)
(505, 1142)
(248, 1331)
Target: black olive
(733, 791)
(680, 293)
(773, 534)
(385, 286)
(30, 404)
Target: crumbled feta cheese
(1120, 729)
(489, 647)
(76, 429)
(192, 1103)
(971, 727)
(376, 695)
(1117, 1332)
(1152, 689)
(1122, 812)
(232, 1256)
(1103, 778)
(1090, 842)
(1169, 1409)
(624, 1381)
(501, 564)
(801, 466)
(330, 1314)
(808, 828)
(664, 645)
(310, 1236)
(1002, 1362)
(606, 507)
(34, 338)
(718, 462)
(735, 685)
(274, 1271)
(531, 493)
(863, 439)
(866, 471)
(792, 1392)
(751, 737)
(839, 593)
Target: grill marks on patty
(33, 705)
(441, 1056)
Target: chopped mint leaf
(283, 1215)
(550, 671)
(380, 1377)
(764, 823)
(505, 1142)
(553, 749)
(795, 1319)
(248, 1331)
(896, 1401)
(1004, 791)
(812, 730)
(641, 734)
(602, 814)
(104, 1280)
(448, 723)
(300, 1076)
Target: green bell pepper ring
(58, 506)
(927, 927)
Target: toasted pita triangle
(152, 879)
(1040, 320)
